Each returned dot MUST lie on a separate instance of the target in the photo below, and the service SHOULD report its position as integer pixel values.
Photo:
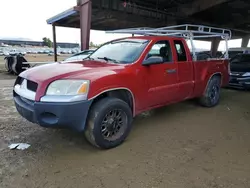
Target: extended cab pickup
(101, 94)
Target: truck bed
(205, 69)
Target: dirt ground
(179, 146)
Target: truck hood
(76, 70)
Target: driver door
(162, 78)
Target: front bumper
(71, 115)
(239, 81)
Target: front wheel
(109, 123)
(211, 96)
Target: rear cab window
(180, 51)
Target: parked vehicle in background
(240, 71)
(232, 52)
(80, 56)
(208, 54)
(101, 94)
(6, 53)
(203, 55)
(52, 54)
(15, 52)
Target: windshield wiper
(90, 58)
(108, 59)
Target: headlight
(67, 91)
(68, 87)
(246, 74)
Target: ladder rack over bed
(187, 31)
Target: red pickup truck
(101, 94)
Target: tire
(103, 118)
(8, 64)
(211, 97)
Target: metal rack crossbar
(188, 31)
(197, 31)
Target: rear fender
(210, 77)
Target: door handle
(171, 71)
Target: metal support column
(226, 43)
(193, 48)
(54, 42)
(85, 22)
(214, 46)
(245, 41)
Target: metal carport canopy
(114, 14)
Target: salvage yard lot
(182, 145)
(31, 58)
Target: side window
(180, 50)
(162, 49)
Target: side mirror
(153, 60)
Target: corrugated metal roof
(62, 15)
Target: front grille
(234, 81)
(32, 85)
(237, 73)
(19, 80)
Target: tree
(92, 44)
(47, 42)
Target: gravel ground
(182, 145)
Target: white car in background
(51, 54)
(80, 56)
(6, 53)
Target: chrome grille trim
(22, 90)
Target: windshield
(121, 51)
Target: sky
(27, 19)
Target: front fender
(115, 82)
(109, 83)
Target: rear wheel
(109, 123)
(211, 96)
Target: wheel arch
(122, 93)
(216, 74)
(204, 99)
